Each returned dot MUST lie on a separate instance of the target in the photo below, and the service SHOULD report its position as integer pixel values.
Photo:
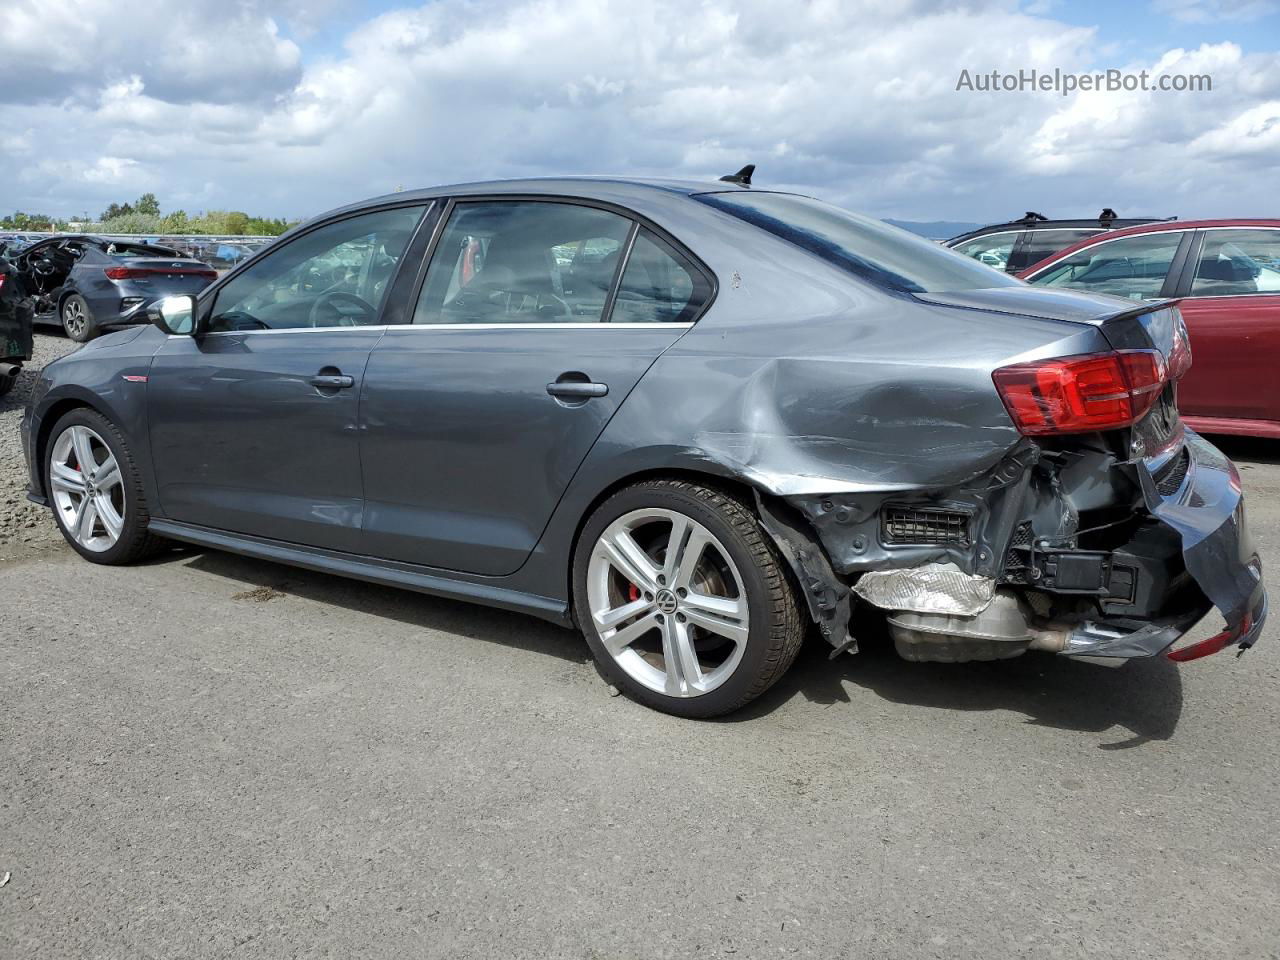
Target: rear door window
(1236, 263)
(523, 261)
(1133, 267)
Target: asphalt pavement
(209, 756)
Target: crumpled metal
(930, 588)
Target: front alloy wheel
(95, 490)
(683, 598)
(87, 488)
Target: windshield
(868, 248)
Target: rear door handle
(577, 390)
(330, 381)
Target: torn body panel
(1102, 555)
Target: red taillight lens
(1101, 391)
(1, 281)
(1219, 641)
(141, 273)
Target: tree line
(143, 216)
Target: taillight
(141, 273)
(1102, 391)
(2, 281)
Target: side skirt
(386, 572)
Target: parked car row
(691, 419)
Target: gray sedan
(698, 421)
(88, 284)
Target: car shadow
(1248, 449)
(261, 581)
(1143, 696)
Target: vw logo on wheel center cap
(666, 601)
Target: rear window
(132, 251)
(868, 248)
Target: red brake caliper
(633, 592)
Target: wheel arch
(49, 417)
(826, 598)
(54, 409)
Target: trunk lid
(165, 276)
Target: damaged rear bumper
(1023, 575)
(1208, 514)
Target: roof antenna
(743, 176)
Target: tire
(77, 319)
(638, 628)
(122, 540)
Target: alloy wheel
(87, 488)
(668, 602)
(73, 318)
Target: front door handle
(577, 390)
(332, 381)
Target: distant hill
(936, 229)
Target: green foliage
(37, 222)
(143, 216)
(148, 205)
(132, 222)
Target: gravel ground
(208, 755)
(24, 527)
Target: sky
(291, 108)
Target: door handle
(577, 390)
(330, 381)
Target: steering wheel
(43, 268)
(330, 297)
(549, 309)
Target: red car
(1226, 273)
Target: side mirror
(174, 315)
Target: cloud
(220, 53)
(855, 101)
(1216, 11)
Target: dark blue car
(88, 284)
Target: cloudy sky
(289, 108)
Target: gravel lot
(24, 527)
(207, 756)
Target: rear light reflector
(1219, 641)
(142, 273)
(1102, 391)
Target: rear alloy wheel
(95, 491)
(683, 599)
(77, 318)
